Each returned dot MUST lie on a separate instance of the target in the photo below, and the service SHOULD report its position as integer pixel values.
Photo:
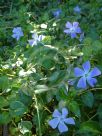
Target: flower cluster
(60, 120)
(17, 33)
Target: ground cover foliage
(50, 67)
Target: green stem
(85, 91)
(38, 115)
(93, 116)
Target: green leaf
(88, 99)
(99, 111)
(54, 76)
(97, 45)
(25, 99)
(87, 41)
(98, 96)
(74, 107)
(17, 108)
(5, 118)
(57, 77)
(90, 126)
(3, 102)
(87, 51)
(25, 127)
(41, 89)
(48, 63)
(4, 82)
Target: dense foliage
(50, 67)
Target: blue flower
(86, 76)
(72, 29)
(36, 39)
(57, 13)
(77, 9)
(17, 33)
(60, 120)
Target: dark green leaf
(90, 126)
(88, 99)
(17, 108)
(74, 107)
(25, 126)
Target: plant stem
(37, 108)
(85, 91)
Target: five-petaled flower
(17, 33)
(77, 9)
(72, 29)
(86, 76)
(60, 120)
(36, 39)
(57, 13)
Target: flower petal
(73, 35)
(82, 82)
(95, 72)
(41, 37)
(56, 113)
(77, 9)
(75, 24)
(35, 36)
(69, 121)
(53, 123)
(67, 31)
(14, 30)
(64, 112)
(32, 42)
(78, 30)
(91, 81)
(86, 66)
(78, 72)
(14, 35)
(62, 127)
(68, 25)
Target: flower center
(72, 29)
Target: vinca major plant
(51, 68)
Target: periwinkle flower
(57, 13)
(60, 120)
(17, 33)
(77, 9)
(36, 39)
(72, 29)
(86, 75)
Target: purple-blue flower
(36, 39)
(60, 120)
(86, 75)
(57, 13)
(17, 33)
(72, 29)
(77, 9)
